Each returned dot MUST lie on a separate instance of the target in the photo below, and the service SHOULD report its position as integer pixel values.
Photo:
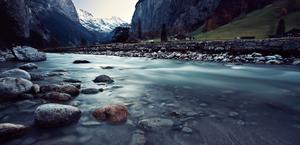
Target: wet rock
(28, 54)
(37, 76)
(90, 91)
(10, 131)
(68, 89)
(233, 114)
(155, 124)
(56, 74)
(56, 115)
(16, 73)
(81, 62)
(114, 114)
(273, 62)
(28, 66)
(187, 130)
(296, 62)
(72, 81)
(11, 87)
(57, 97)
(138, 138)
(107, 67)
(35, 88)
(103, 79)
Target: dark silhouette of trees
(164, 35)
(121, 34)
(280, 28)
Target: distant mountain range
(93, 23)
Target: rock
(90, 91)
(81, 61)
(16, 73)
(28, 54)
(37, 76)
(155, 124)
(28, 66)
(11, 87)
(107, 67)
(72, 81)
(296, 62)
(56, 115)
(233, 114)
(68, 89)
(57, 97)
(35, 89)
(103, 79)
(138, 138)
(187, 130)
(273, 62)
(114, 114)
(10, 131)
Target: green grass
(260, 23)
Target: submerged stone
(155, 124)
(114, 114)
(10, 131)
(103, 79)
(16, 73)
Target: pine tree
(164, 35)
(280, 28)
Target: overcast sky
(108, 8)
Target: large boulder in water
(68, 89)
(10, 131)
(103, 79)
(16, 73)
(28, 54)
(56, 115)
(11, 87)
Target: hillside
(260, 23)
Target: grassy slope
(259, 23)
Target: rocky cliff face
(183, 16)
(40, 23)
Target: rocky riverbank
(267, 51)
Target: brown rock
(114, 114)
(10, 131)
(57, 97)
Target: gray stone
(57, 97)
(155, 124)
(28, 66)
(296, 62)
(138, 138)
(10, 131)
(28, 54)
(56, 115)
(11, 87)
(90, 91)
(35, 89)
(187, 130)
(103, 79)
(68, 89)
(16, 73)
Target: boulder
(16, 73)
(10, 131)
(155, 124)
(11, 87)
(72, 81)
(67, 88)
(57, 97)
(90, 91)
(56, 115)
(81, 61)
(114, 114)
(28, 54)
(103, 79)
(35, 89)
(296, 62)
(28, 66)
(107, 67)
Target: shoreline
(278, 51)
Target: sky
(108, 8)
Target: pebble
(187, 130)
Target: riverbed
(209, 103)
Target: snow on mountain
(92, 23)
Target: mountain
(99, 24)
(183, 16)
(41, 23)
(260, 23)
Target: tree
(280, 28)
(121, 34)
(164, 35)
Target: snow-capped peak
(92, 23)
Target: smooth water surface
(221, 104)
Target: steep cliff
(40, 23)
(183, 16)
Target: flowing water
(221, 104)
